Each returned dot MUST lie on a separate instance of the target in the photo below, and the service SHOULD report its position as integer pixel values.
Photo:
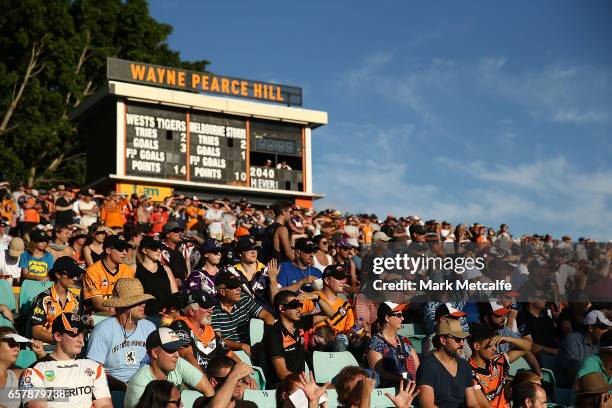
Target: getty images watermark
(422, 263)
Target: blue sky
(466, 111)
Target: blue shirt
(36, 266)
(290, 274)
(120, 352)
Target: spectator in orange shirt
(158, 218)
(112, 212)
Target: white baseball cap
(596, 317)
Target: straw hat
(127, 292)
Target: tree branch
(31, 71)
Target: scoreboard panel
(218, 149)
(167, 142)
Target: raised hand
(273, 268)
(407, 393)
(312, 391)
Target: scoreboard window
(165, 142)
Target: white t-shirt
(215, 227)
(87, 219)
(317, 264)
(9, 269)
(83, 380)
(5, 240)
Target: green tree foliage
(52, 56)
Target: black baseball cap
(245, 243)
(211, 245)
(304, 245)
(418, 229)
(37, 235)
(334, 271)
(165, 338)
(149, 242)
(116, 242)
(67, 323)
(200, 297)
(227, 280)
(66, 265)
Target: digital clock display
(280, 146)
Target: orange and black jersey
(47, 306)
(343, 318)
(280, 343)
(491, 380)
(206, 344)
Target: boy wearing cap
(101, 277)
(163, 347)
(576, 347)
(73, 382)
(193, 327)
(490, 368)
(57, 299)
(342, 318)
(36, 261)
(444, 379)
(300, 273)
(254, 274)
(119, 341)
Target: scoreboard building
(159, 130)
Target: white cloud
(577, 117)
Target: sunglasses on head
(294, 304)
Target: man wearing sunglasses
(57, 299)
(163, 347)
(445, 379)
(490, 368)
(284, 342)
(69, 381)
(300, 273)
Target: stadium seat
(328, 364)
(256, 330)
(25, 358)
(379, 399)
(4, 322)
(563, 396)
(549, 377)
(98, 318)
(7, 297)
(262, 398)
(520, 364)
(29, 290)
(243, 356)
(332, 398)
(188, 397)
(411, 330)
(417, 342)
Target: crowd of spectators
(138, 300)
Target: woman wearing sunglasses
(391, 355)
(92, 250)
(321, 258)
(10, 344)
